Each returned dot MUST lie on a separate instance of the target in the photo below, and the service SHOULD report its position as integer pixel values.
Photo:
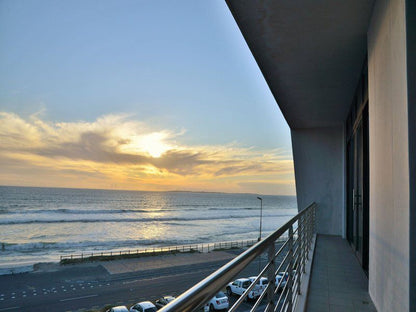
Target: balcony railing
(289, 262)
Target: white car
(261, 283)
(239, 286)
(279, 277)
(219, 302)
(118, 309)
(161, 302)
(145, 306)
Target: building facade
(344, 75)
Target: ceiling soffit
(310, 52)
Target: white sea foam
(40, 224)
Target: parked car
(218, 302)
(261, 283)
(280, 276)
(118, 309)
(144, 306)
(285, 277)
(239, 286)
(161, 302)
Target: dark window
(220, 295)
(246, 284)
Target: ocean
(41, 224)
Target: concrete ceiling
(311, 53)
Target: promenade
(91, 286)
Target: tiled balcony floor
(338, 282)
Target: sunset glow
(116, 152)
(141, 95)
(153, 144)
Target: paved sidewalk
(338, 282)
(163, 261)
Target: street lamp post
(261, 214)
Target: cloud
(118, 148)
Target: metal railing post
(304, 244)
(299, 268)
(271, 278)
(308, 231)
(290, 268)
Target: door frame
(357, 137)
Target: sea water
(40, 224)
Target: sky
(137, 95)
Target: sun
(152, 144)
(156, 149)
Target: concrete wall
(389, 162)
(318, 155)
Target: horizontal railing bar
(263, 294)
(253, 284)
(202, 292)
(281, 248)
(281, 264)
(281, 281)
(296, 251)
(285, 302)
(240, 300)
(294, 232)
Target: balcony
(337, 282)
(320, 273)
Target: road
(89, 288)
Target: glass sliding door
(357, 188)
(357, 167)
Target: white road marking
(77, 298)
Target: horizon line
(130, 190)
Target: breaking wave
(135, 220)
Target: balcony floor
(338, 282)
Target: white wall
(389, 163)
(318, 156)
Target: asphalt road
(81, 289)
